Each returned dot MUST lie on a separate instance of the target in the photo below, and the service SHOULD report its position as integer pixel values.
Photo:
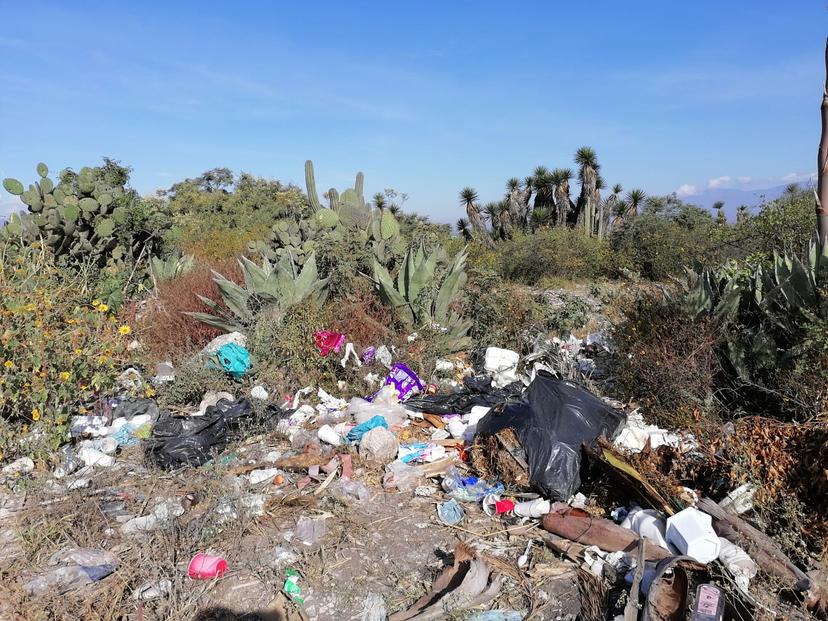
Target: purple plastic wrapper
(404, 380)
(368, 355)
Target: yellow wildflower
(64, 376)
(124, 330)
(96, 302)
(35, 414)
(150, 391)
(78, 351)
(102, 359)
(82, 410)
(102, 308)
(8, 364)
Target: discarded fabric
(326, 342)
(233, 359)
(355, 434)
(450, 512)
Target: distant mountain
(733, 198)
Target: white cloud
(718, 182)
(686, 190)
(744, 179)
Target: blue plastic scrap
(233, 359)
(355, 434)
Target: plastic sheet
(475, 391)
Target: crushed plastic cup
(327, 434)
(205, 567)
(533, 508)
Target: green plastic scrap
(292, 587)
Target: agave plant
(172, 267)
(418, 298)
(765, 304)
(276, 286)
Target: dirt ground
(390, 546)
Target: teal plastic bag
(234, 359)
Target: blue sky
(423, 97)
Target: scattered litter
(350, 352)
(262, 474)
(153, 590)
(94, 457)
(691, 532)
(378, 445)
(164, 373)
(383, 355)
(327, 434)
(740, 500)
(648, 523)
(450, 512)
(502, 365)
(233, 359)
(425, 491)
(326, 342)
(78, 567)
(552, 422)
(709, 604)
(738, 563)
(162, 515)
(533, 508)
(217, 343)
(309, 531)
(469, 489)
(206, 567)
(404, 380)
(636, 434)
(292, 587)
(496, 615)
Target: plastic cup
(327, 434)
(490, 504)
(205, 567)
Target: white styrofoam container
(691, 531)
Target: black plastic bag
(475, 391)
(552, 421)
(179, 441)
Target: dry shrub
(164, 328)
(666, 361)
(363, 318)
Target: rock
(220, 341)
(19, 466)
(378, 445)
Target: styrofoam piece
(691, 531)
(502, 364)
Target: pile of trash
(512, 439)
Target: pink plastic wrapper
(326, 342)
(205, 567)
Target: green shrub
(192, 379)
(559, 252)
(505, 314)
(570, 315)
(665, 238)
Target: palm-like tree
(464, 229)
(741, 214)
(379, 201)
(563, 204)
(721, 219)
(468, 198)
(587, 160)
(609, 208)
(514, 206)
(635, 199)
(492, 212)
(599, 206)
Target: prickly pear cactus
(77, 217)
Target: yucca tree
(563, 204)
(542, 217)
(464, 229)
(507, 225)
(493, 212)
(598, 215)
(741, 214)
(721, 219)
(587, 160)
(468, 198)
(635, 200)
(379, 201)
(608, 211)
(526, 198)
(515, 205)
